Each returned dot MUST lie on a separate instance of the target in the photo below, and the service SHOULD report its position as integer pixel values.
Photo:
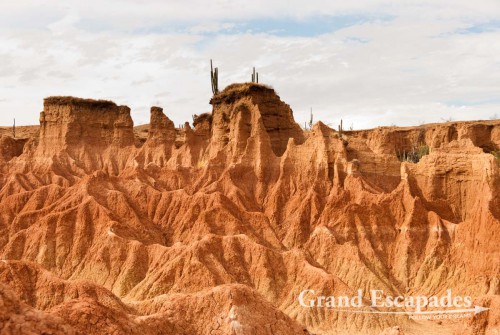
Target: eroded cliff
(216, 229)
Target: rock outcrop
(10, 148)
(217, 227)
(161, 139)
(84, 135)
(17, 318)
(68, 121)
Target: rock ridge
(216, 228)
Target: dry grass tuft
(73, 101)
(236, 91)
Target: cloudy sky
(368, 62)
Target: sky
(368, 62)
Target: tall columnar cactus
(255, 76)
(214, 76)
(341, 129)
(14, 129)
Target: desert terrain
(216, 227)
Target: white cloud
(418, 66)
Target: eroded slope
(217, 228)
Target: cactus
(341, 129)
(14, 129)
(416, 153)
(214, 76)
(311, 120)
(255, 76)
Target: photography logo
(447, 306)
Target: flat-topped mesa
(276, 115)
(70, 121)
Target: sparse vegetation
(497, 156)
(415, 154)
(234, 92)
(308, 125)
(68, 100)
(245, 87)
(255, 76)
(214, 76)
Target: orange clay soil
(216, 229)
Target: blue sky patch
(481, 27)
(283, 26)
(313, 26)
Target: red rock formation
(161, 138)
(218, 228)
(10, 148)
(17, 318)
(85, 135)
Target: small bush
(237, 91)
(497, 156)
(414, 155)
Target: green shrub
(415, 154)
(497, 156)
